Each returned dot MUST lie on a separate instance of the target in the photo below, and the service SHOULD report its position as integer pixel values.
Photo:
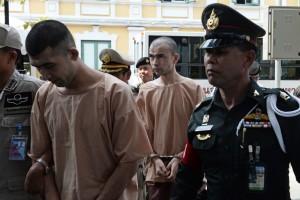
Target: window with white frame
(90, 50)
(247, 2)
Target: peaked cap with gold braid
(113, 61)
(225, 27)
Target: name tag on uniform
(204, 128)
(257, 177)
(204, 132)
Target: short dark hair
(123, 71)
(48, 33)
(247, 46)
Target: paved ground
(294, 186)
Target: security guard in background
(244, 137)
(254, 71)
(145, 71)
(17, 93)
(117, 65)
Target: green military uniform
(231, 167)
(245, 151)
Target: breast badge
(257, 120)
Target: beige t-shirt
(166, 111)
(90, 134)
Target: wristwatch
(45, 164)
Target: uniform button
(227, 148)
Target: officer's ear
(128, 74)
(249, 58)
(12, 57)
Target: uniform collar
(13, 81)
(254, 92)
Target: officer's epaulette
(283, 97)
(205, 102)
(267, 91)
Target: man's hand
(35, 179)
(172, 168)
(160, 168)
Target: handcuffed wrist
(153, 156)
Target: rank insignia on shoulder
(284, 95)
(205, 119)
(255, 93)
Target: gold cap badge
(106, 59)
(147, 60)
(213, 21)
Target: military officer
(254, 71)
(145, 70)
(17, 93)
(244, 137)
(117, 65)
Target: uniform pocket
(16, 182)
(10, 125)
(10, 121)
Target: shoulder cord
(272, 109)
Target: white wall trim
(135, 11)
(95, 10)
(52, 8)
(174, 12)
